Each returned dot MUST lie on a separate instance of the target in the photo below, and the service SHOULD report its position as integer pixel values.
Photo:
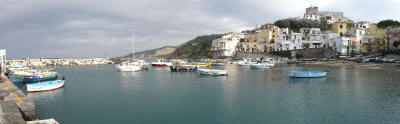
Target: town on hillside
(317, 31)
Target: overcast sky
(88, 28)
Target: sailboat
(135, 65)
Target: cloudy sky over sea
(86, 28)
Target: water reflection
(307, 80)
(47, 95)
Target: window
(340, 26)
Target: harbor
(346, 95)
(199, 62)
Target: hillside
(198, 47)
(153, 53)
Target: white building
(342, 45)
(226, 45)
(328, 38)
(358, 33)
(314, 14)
(2, 60)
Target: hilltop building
(313, 13)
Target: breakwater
(16, 107)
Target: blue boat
(45, 85)
(307, 74)
(34, 77)
(259, 67)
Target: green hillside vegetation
(297, 24)
(198, 47)
(388, 23)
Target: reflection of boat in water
(308, 80)
(307, 74)
(44, 85)
(213, 72)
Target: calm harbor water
(100, 94)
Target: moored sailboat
(135, 65)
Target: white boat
(214, 72)
(161, 63)
(44, 85)
(263, 64)
(135, 65)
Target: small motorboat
(44, 85)
(214, 72)
(307, 74)
(263, 64)
(176, 68)
(161, 63)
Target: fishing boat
(32, 77)
(202, 64)
(307, 74)
(135, 65)
(161, 63)
(214, 72)
(44, 85)
(176, 68)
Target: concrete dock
(15, 106)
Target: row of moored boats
(35, 79)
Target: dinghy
(307, 74)
(213, 72)
(45, 85)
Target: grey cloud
(72, 28)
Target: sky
(96, 28)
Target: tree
(306, 45)
(297, 24)
(388, 23)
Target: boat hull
(45, 86)
(307, 74)
(183, 68)
(260, 67)
(32, 78)
(159, 65)
(213, 72)
(128, 68)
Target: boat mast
(41, 60)
(133, 46)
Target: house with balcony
(226, 45)
(259, 42)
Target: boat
(176, 68)
(44, 85)
(259, 67)
(202, 64)
(32, 77)
(263, 64)
(161, 63)
(214, 72)
(307, 74)
(135, 65)
(217, 64)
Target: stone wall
(317, 53)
